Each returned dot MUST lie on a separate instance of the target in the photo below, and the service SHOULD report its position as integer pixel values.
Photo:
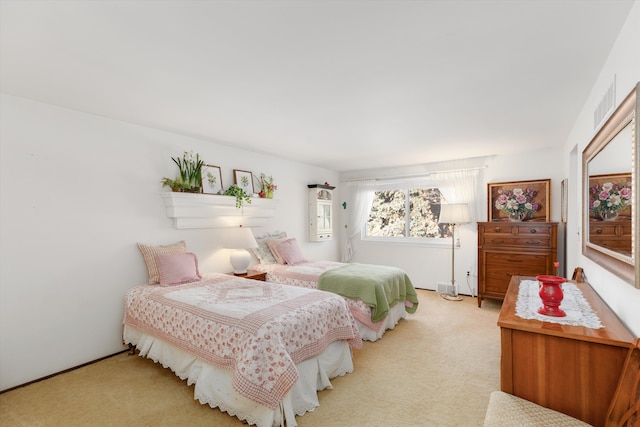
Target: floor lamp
(454, 214)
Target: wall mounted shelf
(210, 211)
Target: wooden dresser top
(613, 333)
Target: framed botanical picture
(211, 179)
(610, 197)
(244, 180)
(564, 200)
(520, 201)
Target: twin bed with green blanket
(378, 296)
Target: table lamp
(240, 239)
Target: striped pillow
(273, 247)
(290, 252)
(149, 254)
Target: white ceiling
(344, 85)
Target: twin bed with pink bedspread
(307, 275)
(256, 350)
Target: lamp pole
(453, 296)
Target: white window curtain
(460, 186)
(360, 197)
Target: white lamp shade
(454, 213)
(239, 238)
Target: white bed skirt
(213, 384)
(396, 313)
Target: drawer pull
(514, 260)
(497, 241)
(533, 242)
(533, 230)
(599, 230)
(497, 229)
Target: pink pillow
(290, 252)
(149, 253)
(176, 269)
(273, 247)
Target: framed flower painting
(610, 197)
(520, 201)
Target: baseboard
(62, 372)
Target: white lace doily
(579, 312)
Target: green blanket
(380, 287)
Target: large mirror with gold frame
(610, 198)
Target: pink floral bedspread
(306, 275)
(257, 329)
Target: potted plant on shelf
(239, 194)
(189, 179)
(267, 187)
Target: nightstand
(253, 275)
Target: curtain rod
(415, 175)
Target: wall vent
(606, 105)
(444, 288)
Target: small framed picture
(244, 180)
(564, 200)
(211, 179)
(520, 201)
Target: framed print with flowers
(244, 180)
(520, 201)
(610, 197)
(211, 179)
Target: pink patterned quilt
(306, 275)
(257, 329)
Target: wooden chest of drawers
(614, 235)
(507, 249)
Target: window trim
(435, 242)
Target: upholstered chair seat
(506, 410)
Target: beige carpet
(437, 368)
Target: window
(406, 213)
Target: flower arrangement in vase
(267, 187)
(517, 203)
(608, 199)
(189, 178)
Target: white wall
(77, 192)
(428, 265)
(624, 64)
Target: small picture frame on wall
(520, 201)
(244, 180)
(564, 200)
(211, 179)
